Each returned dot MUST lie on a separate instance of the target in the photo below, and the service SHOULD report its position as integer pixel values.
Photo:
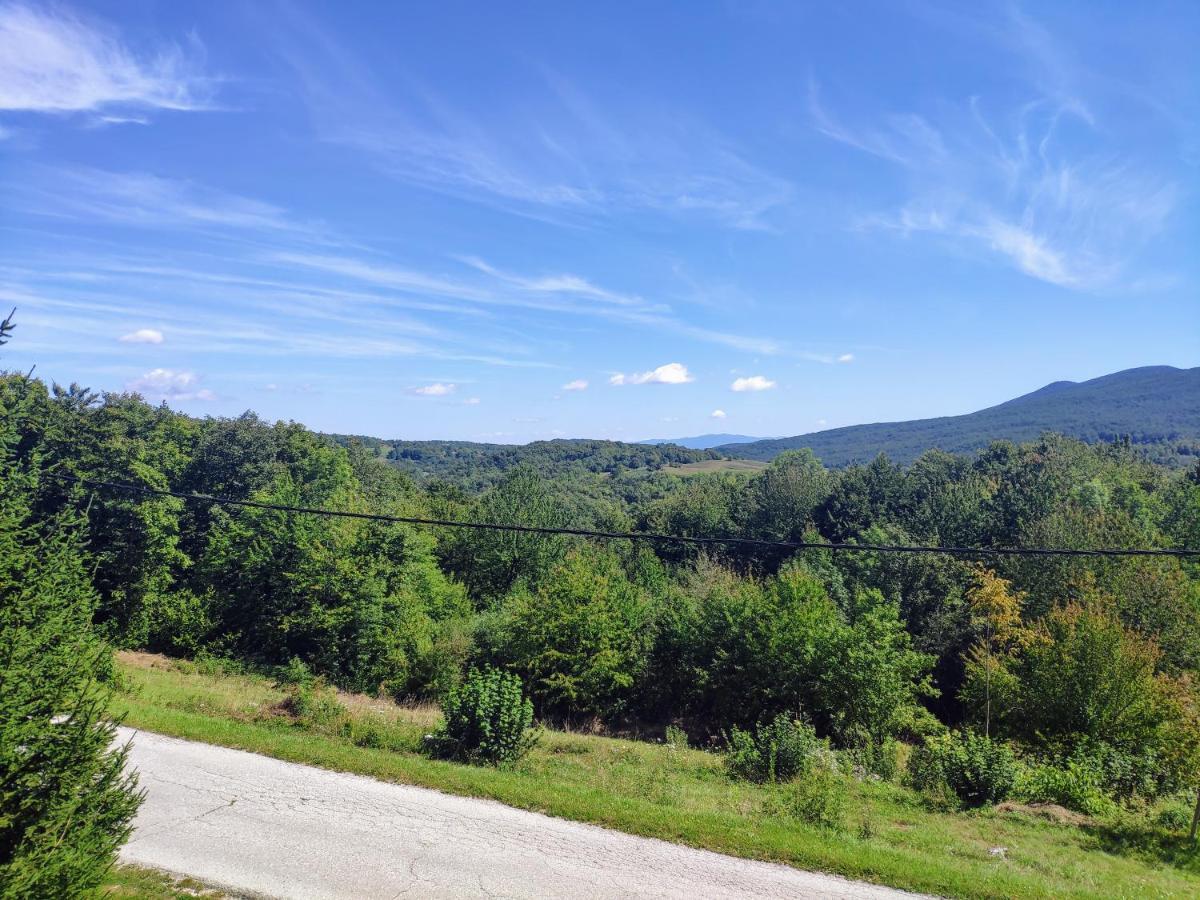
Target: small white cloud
(846, 358)
(752, 383)
(671, 373)
(821, 423)
(437, 389)
(143, 336)
(577, 385)
(272, 387)
(167, 384)
(717, 414)
(471, 401)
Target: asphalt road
(256, 826)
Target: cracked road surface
(257, 826)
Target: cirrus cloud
(54, 62)
(578, 384)
(671, 373)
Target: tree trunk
(1195, 819)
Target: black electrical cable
(631, 535)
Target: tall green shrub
(978, 770)
(778, 750)
(486, 720)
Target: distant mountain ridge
(704, 441)
(1150, 405)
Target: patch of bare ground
(140, 660)
(1052, 812)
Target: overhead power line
(652, 537)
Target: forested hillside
(1073, 662)
(1156, 407)
(473, 465)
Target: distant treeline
(474, 466)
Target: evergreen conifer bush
(66, 802)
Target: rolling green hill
(1155, 406)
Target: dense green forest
(1156, 407)
(1069, 658)
(474, 466)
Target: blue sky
(512, 222)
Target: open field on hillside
(886, 835)
(709, 466)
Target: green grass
(678, 794)
(137, 883)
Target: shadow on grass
(1131, 838)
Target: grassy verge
(677, 794)
(137, 883)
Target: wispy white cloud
(578, 384)
(717, 414)
(554, 284)
(259, 324)
(899, 138)
(562, 293)
(143, 336)
(1033, 185)
(52, 61)
(437, 389)
(556, 154)
(1029, 252)
(671, 373)
(105, 121)
(145, 200)
(294, 291)
(826, 359)
(752, 383)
